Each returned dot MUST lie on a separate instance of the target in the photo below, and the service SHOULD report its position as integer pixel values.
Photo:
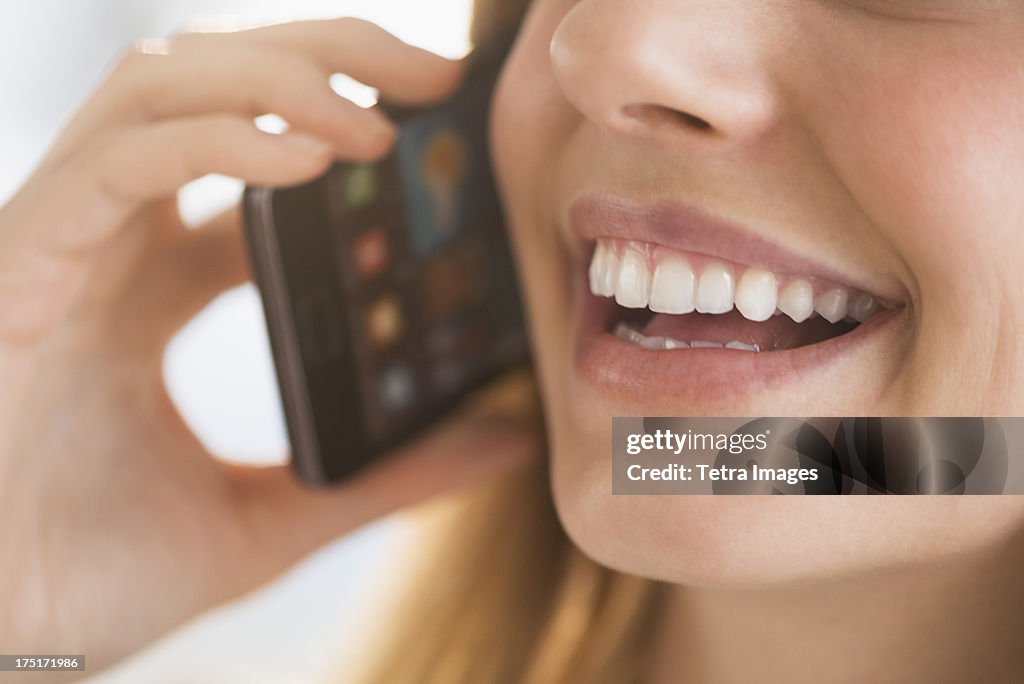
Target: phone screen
(426, 265)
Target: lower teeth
(624, 332)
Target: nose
(669, 70)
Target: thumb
(288, 519)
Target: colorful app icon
(436, 164)
(397, 388)
(371, 253)
(443, 169)
(384, 321)
(361, 186)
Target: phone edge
(279, 317)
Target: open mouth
(674, 305)
(663, 299)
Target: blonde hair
(505, 597)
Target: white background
(52, 53)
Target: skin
(117, 524)
(908, 174)
(881, 137)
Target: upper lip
(685, 228)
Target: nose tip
(667, 76)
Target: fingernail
(306, 143)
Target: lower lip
(702, 376)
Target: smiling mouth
(663, 299)
(675, 305)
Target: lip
(686, 228)
(699, 377)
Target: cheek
(530, 122)
(931, 146)
(531, 128)
(523, 149)
(939, 156)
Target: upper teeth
(668, 282)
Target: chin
(763, 541)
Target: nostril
(655, 115)
(693, 121)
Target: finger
(403, 73)
(281, 69)
(87, 199)
(288, 520)
(219, 76)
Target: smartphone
(389, 289)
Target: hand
(115, 524)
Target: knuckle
(130, 81)
(104, 155)
(183, 40)
(350, 31)
(129, 74)
(96, 162)
(349, 22)
(194, 40)
(95, 154)
(131, 60)
(356, 25)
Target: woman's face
(861, 157)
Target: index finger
(403, 73)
